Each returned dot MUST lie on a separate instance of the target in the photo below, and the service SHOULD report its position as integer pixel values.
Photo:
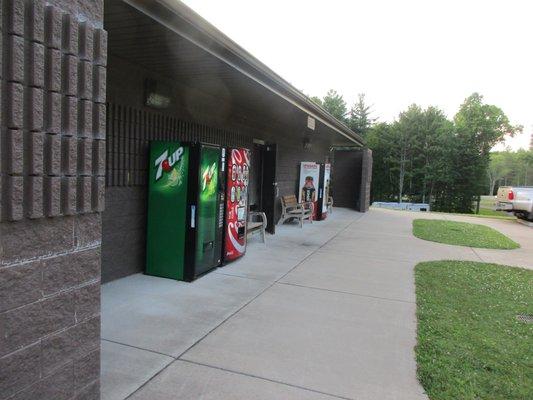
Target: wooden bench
(257, 222)
(291, 209)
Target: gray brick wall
(366, 180)
(52, 66)
(130, 127)
(124, 233)
(49, 306)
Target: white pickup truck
(517, 199)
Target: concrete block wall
(53, 112)
(124, 233)
(52, 135)
(351, 177)
(50, 308)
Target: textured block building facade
(52, 168)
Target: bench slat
(289, 200)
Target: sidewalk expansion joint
(265, 379)
(152, 377)
(376, 257)
(347, 293)
(139, 348)
(240, 276)
(476, 254)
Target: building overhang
(182, 20)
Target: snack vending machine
(185, 209)
(323, 191)
(238, 170)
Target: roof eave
(173, 14)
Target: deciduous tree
(478, 127)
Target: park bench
(291, 209)
(257, 223)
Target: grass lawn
(488, 212)
(483, 213)
(470, 344)
(486, 209)
(462, 234)
(487, 201)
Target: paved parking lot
(323, 312)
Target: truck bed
(518, 199)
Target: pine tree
(359, 118)
(334, 103)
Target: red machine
(236, 203)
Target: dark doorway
(256, 178)
(270, 185)
(263, 185)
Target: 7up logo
(208, 175)
(165, 163)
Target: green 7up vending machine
(185, 209)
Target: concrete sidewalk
(323, 312)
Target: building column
(351, 177)
(52, 168)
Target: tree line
(357, 117)
(423, 156)
(507, 168)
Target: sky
(430, 52)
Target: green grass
(470, 344)
(461, 234)
(488, 212)
(484, 214)
(487, 202)
(486, 208)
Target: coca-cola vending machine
(238, 170)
